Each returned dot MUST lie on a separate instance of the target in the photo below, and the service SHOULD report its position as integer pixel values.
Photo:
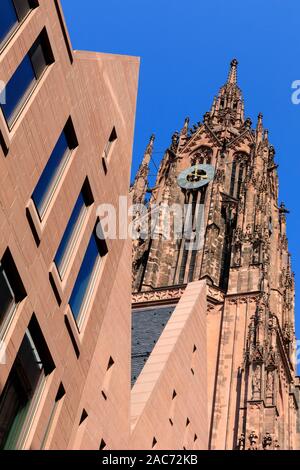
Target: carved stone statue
(237, 254)
(256, 253)
(248, 234)
(276, 445)
(175, 140)
(253, 440)
(247, 123)
(256, 379)
(270, 382)
(241, 442)
(267, 441)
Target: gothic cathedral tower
(223, 171)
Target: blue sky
(185, 50)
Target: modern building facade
(66, 129)
(220, 370)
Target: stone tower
(244, 259)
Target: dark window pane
(67, 239)
(25, 77)
(38, 59)
(13, 402)
(240, 181)
(233, 175)
(18, 89)
(22, 384)
(112, 139)
(8, 19)
(84, 277)
(46, 185)
(22, 7)
(113, 135)
(30, 361)
(7, 300)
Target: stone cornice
(172, 294)
(152, 297)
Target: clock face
(196, 176)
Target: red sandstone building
(214, 325)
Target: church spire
(232, 77)
(228, 106)
(259, 128)
(140, 184)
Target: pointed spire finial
(283, 209)
(140, 185)
(185, 128)
(186, 124)
(259, 128)
(149, 148)
(232, 77)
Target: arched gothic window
(202, 156)
(238, 173)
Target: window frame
(11, 310)
(57, 176)
(62, 266)
(87, 200)
(11, 117)
(109, 147)
(16, 288)
(34, 401)
(44, 42)
(12, 29)
(17, 438)
(72, 143)
(33, 4)
(93, 278)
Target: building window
(240, 180)
(239, 167)
(54, 169)
(23, 390)
(154, 443)
(110, 145)
(202, 156)
(12, 13)
(26, 77)
(12, 291)
(68, 242)
(8, 19)
(8, 302)
(87, 276)
(232, 181)
(102, 445)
